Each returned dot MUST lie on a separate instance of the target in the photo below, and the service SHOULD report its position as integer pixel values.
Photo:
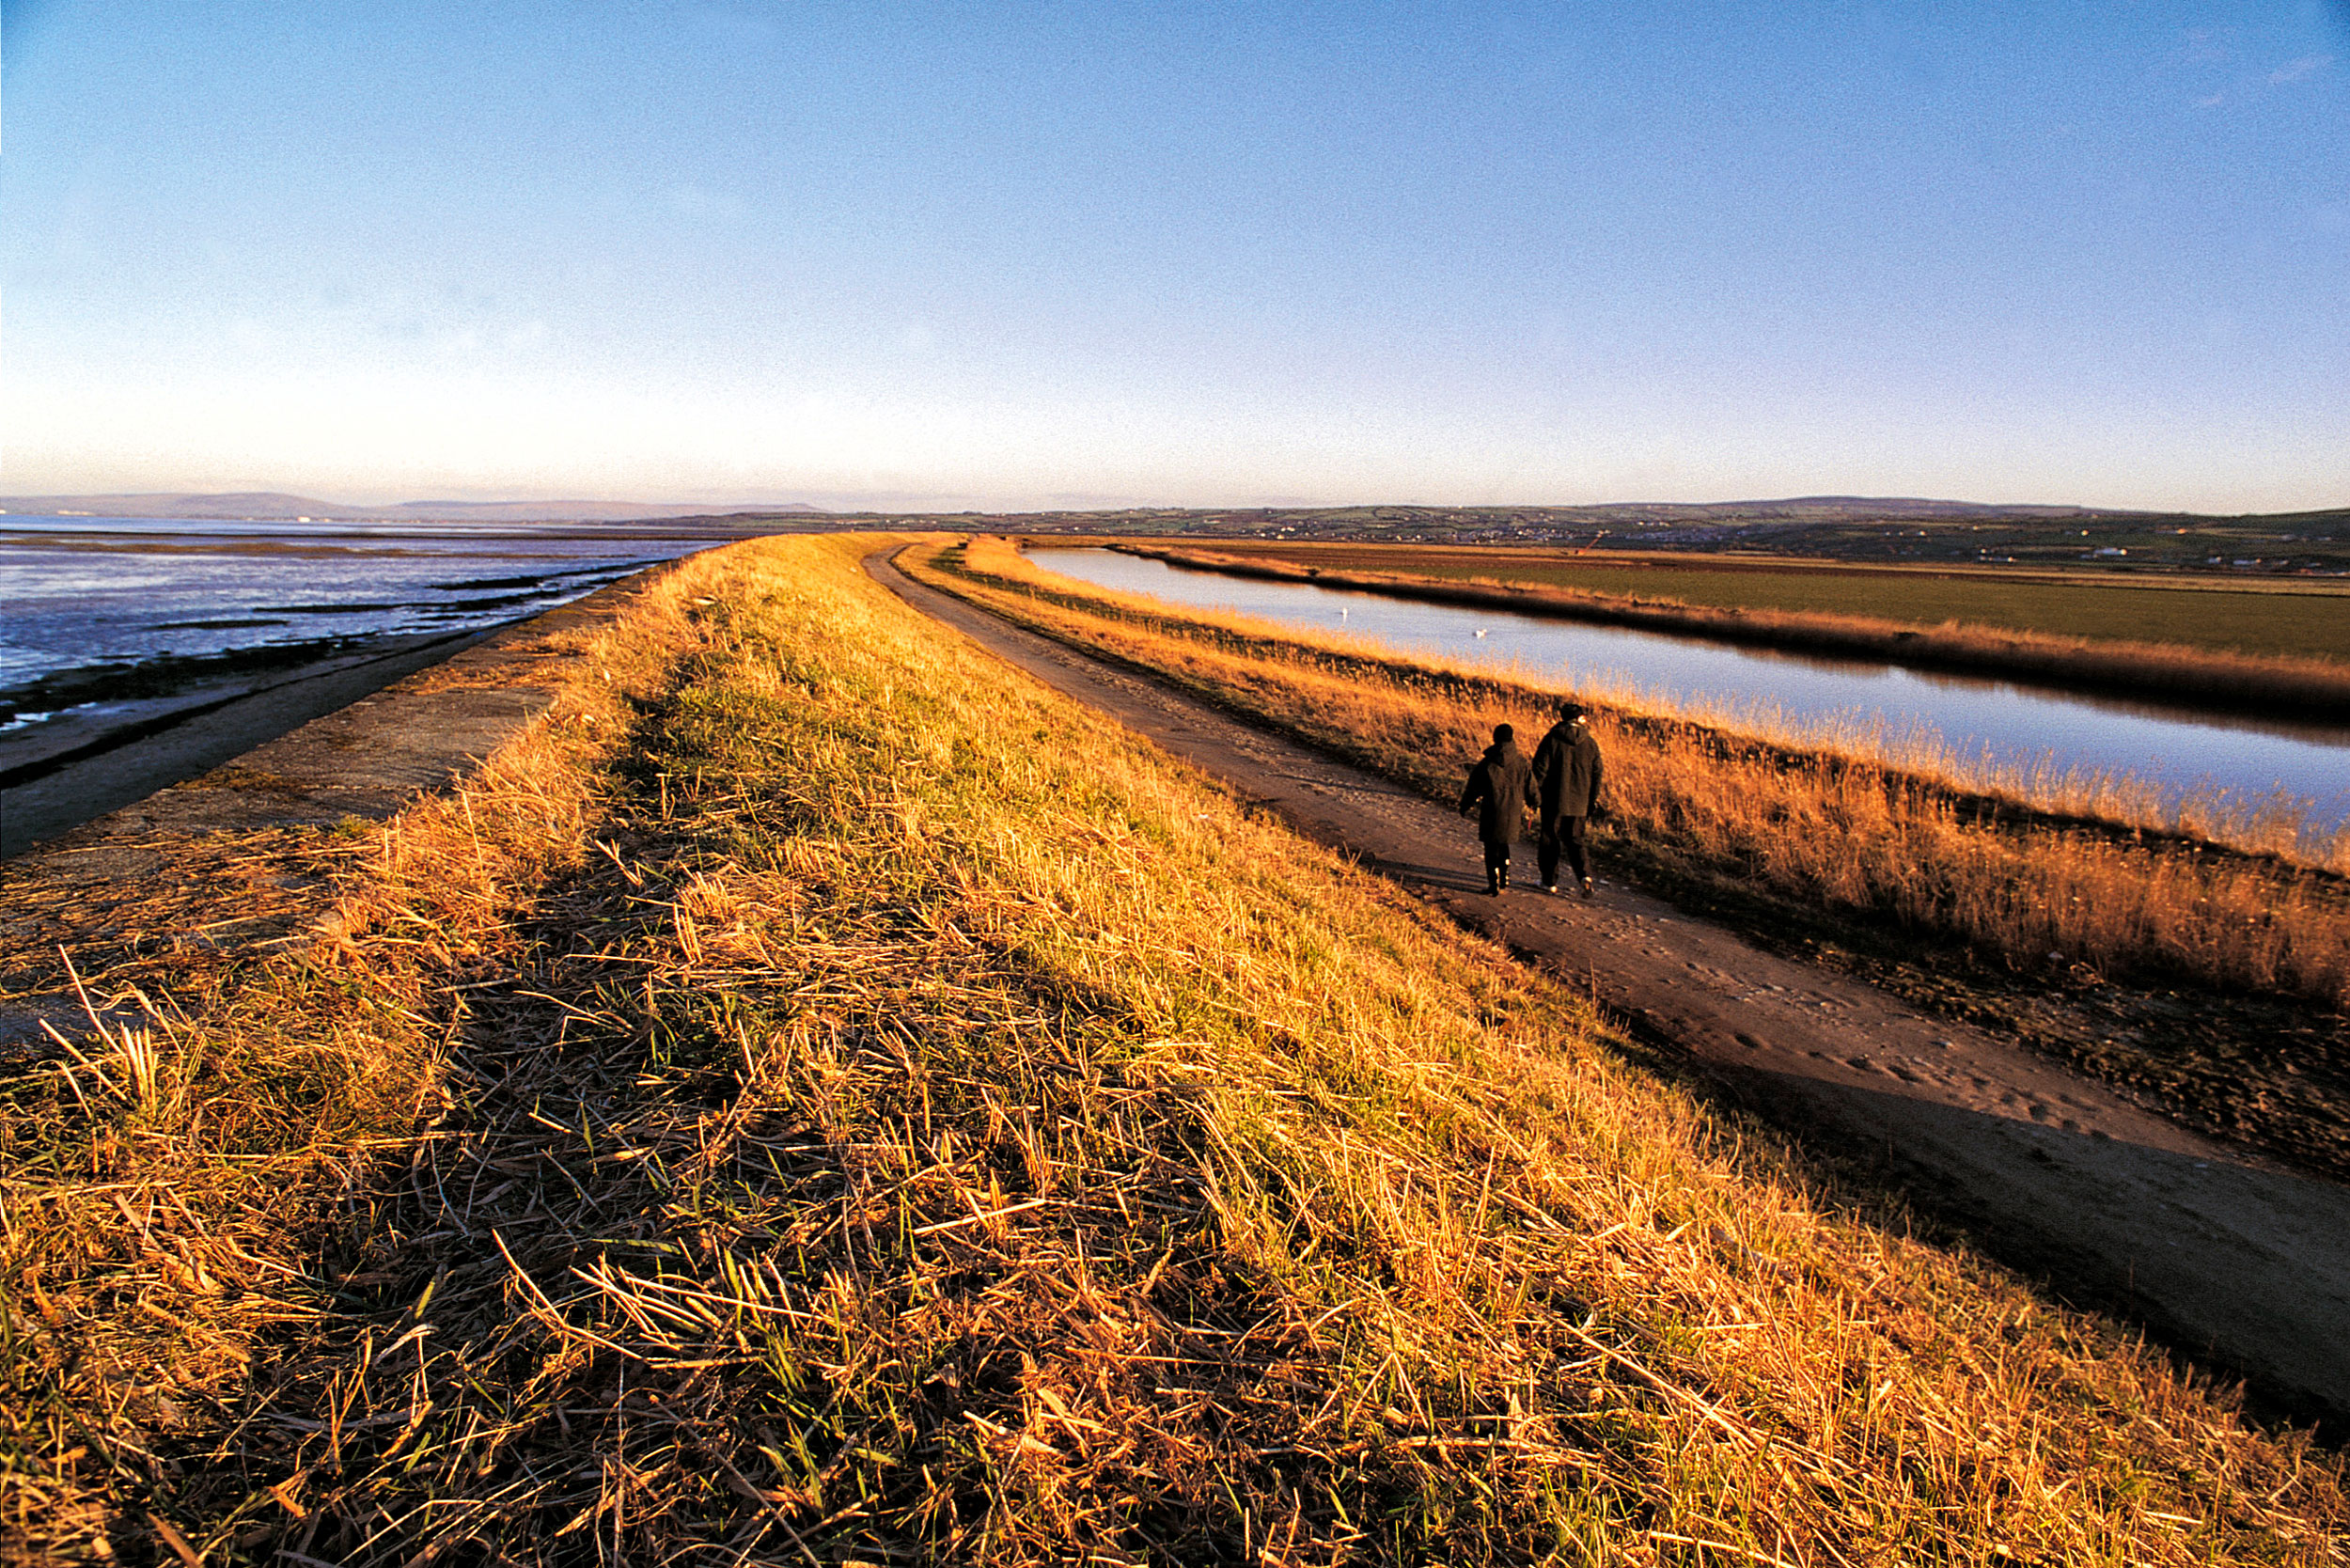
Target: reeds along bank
(2226, 681)
(2018, 878)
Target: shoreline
(246, 643)
(2179, 676)
(310, 727)
(326, 747)
(95, 766)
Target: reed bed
(880, 1112)
(1843, 828)
(2263, 825)
(2177, 672)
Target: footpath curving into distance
(2224, 1254)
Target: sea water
(101, 596)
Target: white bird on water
(1480, 631)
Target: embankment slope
(2228, 1255)
(822, 1094)
(192, 846)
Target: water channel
(2000, 728)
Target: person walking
(1500, 788)
(1567, 777)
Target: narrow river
(2019, 733)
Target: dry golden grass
(163, 1186)
(880, 1112)
(1842, 828)
(2176, 670)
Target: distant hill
(1823, 506)
(580, 511)
(278, 506)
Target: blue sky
(1026, 255)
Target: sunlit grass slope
(825, 1098)
(1836, 824)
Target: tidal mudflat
(132, 649)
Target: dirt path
(2224, 1254)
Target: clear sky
(1098, 253)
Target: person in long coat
(1500, 790)
(1568, 775)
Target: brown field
(817, 1098)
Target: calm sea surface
(2025, 730)
(77, 593)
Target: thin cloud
(2293, 71)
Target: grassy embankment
(1839, 846)
(818, 1096)
(2269, 649)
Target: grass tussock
(1839, 828)
(164, 1184)
(883, 1113)
(2177, 672)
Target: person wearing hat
(1567, 777)
(1500, 788)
